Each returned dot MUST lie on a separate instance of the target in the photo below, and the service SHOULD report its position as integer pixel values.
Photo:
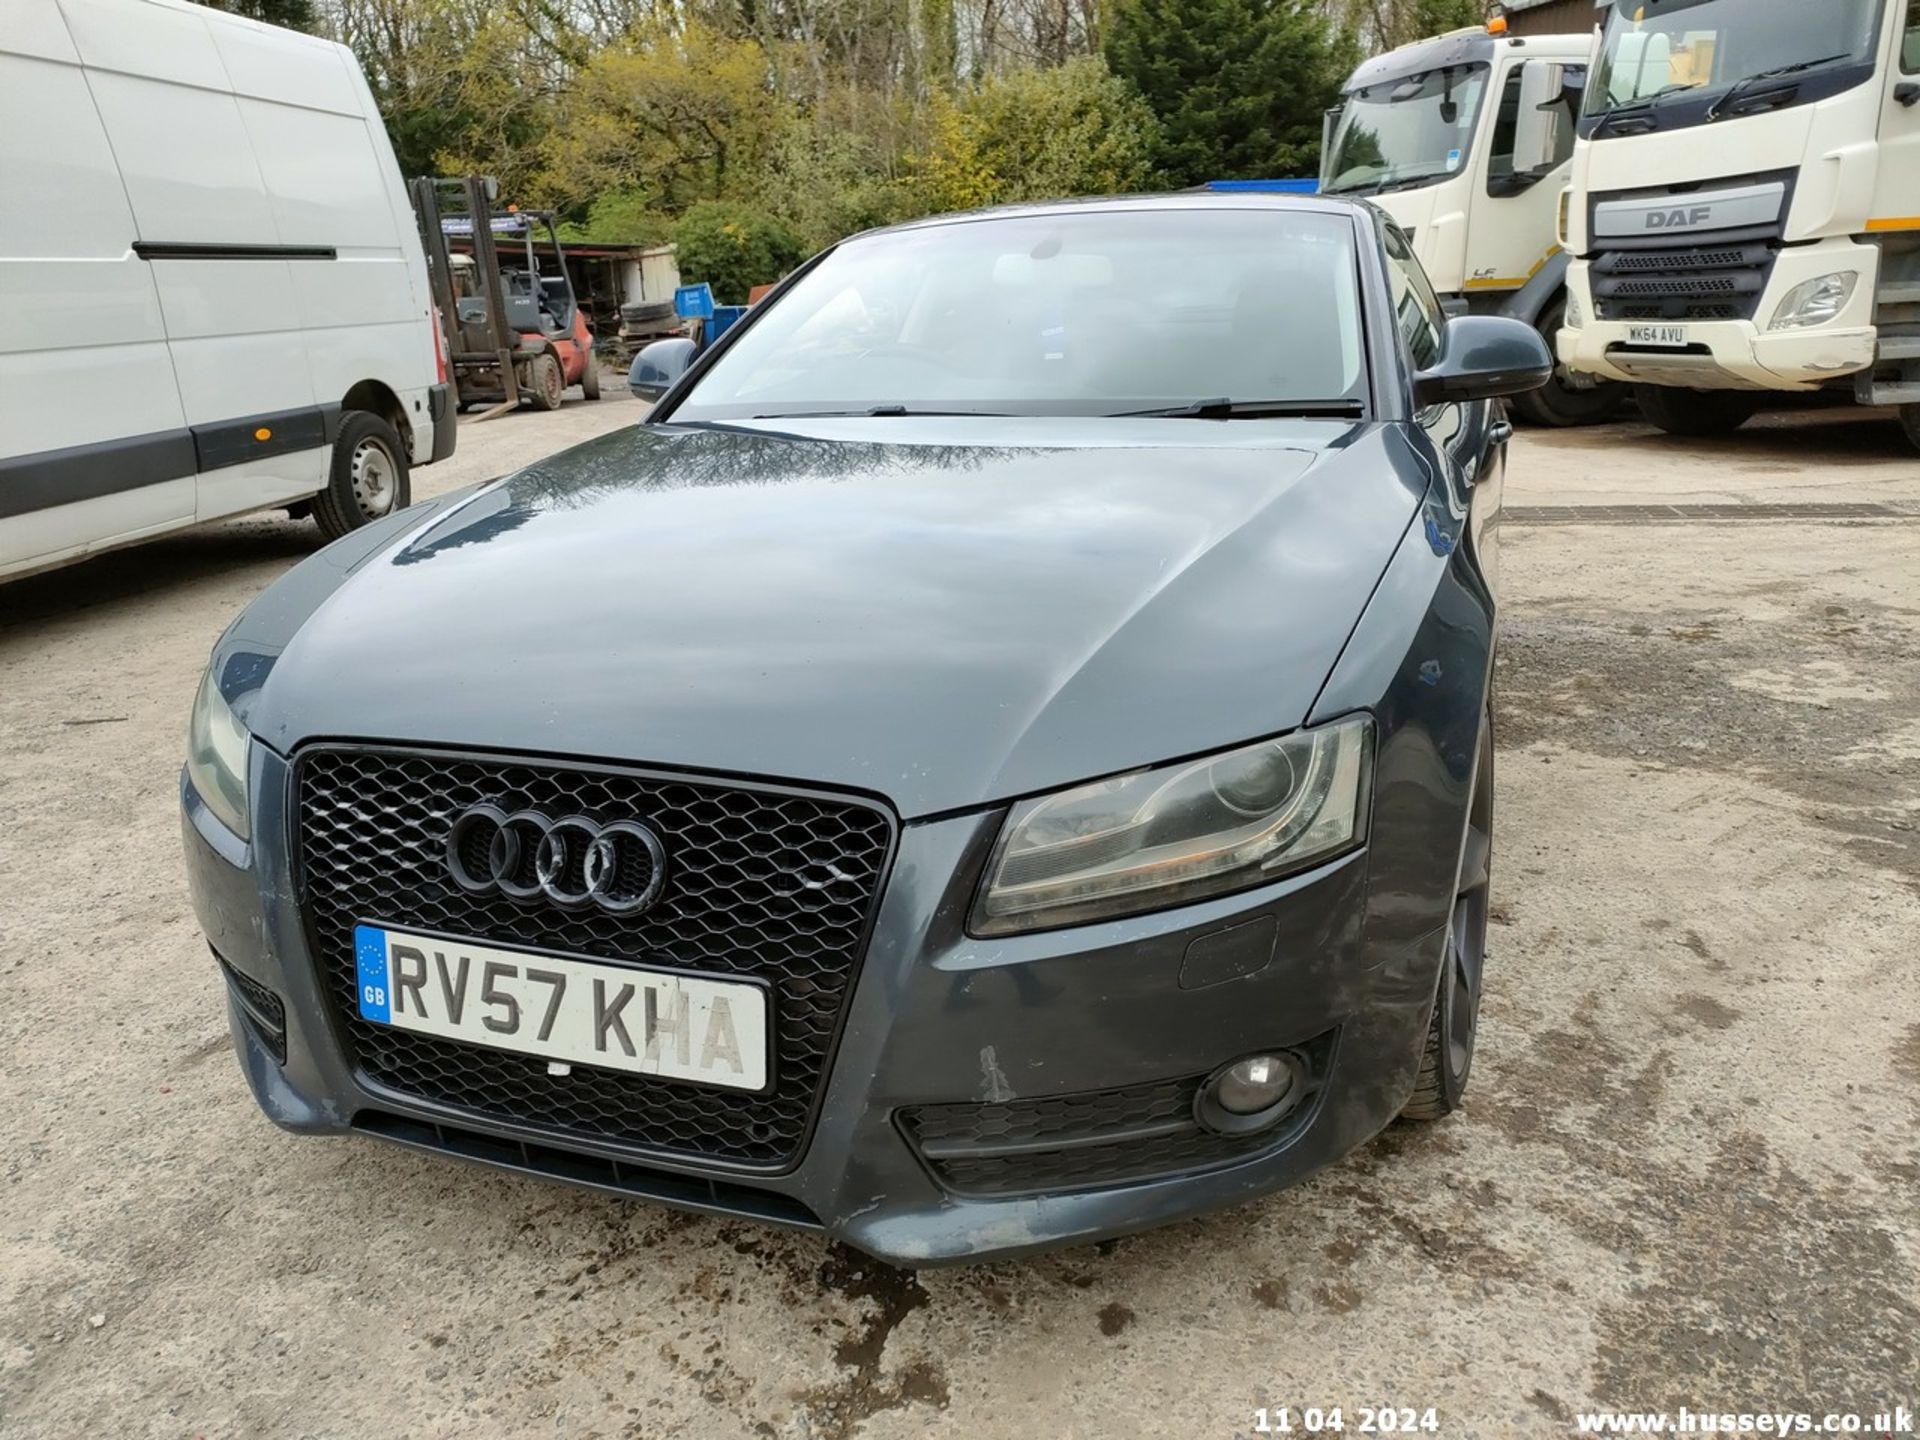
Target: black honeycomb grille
(262, 1007)
(772, 884)
(1094, 1138)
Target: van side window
(1416, 309)
(1910, 45)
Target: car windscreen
(1664, 47)
(1090, 312)
(1405, 132)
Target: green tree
(1076, 129)
(1239, 86)
(733, 247)
(626, 217)
(1387, 24)
(681, 111)
(293, 14)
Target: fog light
(1252, 1094)
(1817, 301)
(1253, 1085)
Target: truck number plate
(1671, 337)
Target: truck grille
(1705, 282)
(772, 883)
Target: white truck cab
(1466, 141)
(1745, 206)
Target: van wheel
(1447, 1060)
(368, 478)
(546, 382)
(1559, 403)
(590, 377)
(1696, 412)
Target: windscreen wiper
(1225, 409)
(1742, 87)
(1643, 106)
(870, 411)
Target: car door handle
(1500, 432)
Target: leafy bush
(733, 247)
(626, 217)
(1076, 129)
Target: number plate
(1672, 337)
(655, 1022)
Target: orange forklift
(511, 329)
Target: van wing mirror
(659, 366)
(1483, 356)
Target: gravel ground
(1687, 1172)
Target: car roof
(1188, 200)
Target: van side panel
(329, 172)
(422, 353)
(359, 315)
(233, 323)
(94, 448)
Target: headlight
(1573, 316)
(217, 757)
(1179, 833)
(1817, 301)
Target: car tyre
(368, 479)
(1560, 404)
(1446, 1062)
(546, 382)
(1696, 412)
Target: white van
(212, 293)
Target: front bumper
(934, 1018)
(1737, 354)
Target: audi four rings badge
(573, 861)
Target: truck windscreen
(1405, 132)
(1679, 61)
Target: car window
(1416, 308)
(1086, 313)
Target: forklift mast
(478, 192)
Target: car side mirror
(1482, 356)
(658, 366)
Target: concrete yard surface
(1687, 1172)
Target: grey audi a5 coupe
(998, 757)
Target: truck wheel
(545, 382)
(1910, 421)
(368, 477)
(1696, 412)
(590, 377)
(1447, 1060)
(1559, 403)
